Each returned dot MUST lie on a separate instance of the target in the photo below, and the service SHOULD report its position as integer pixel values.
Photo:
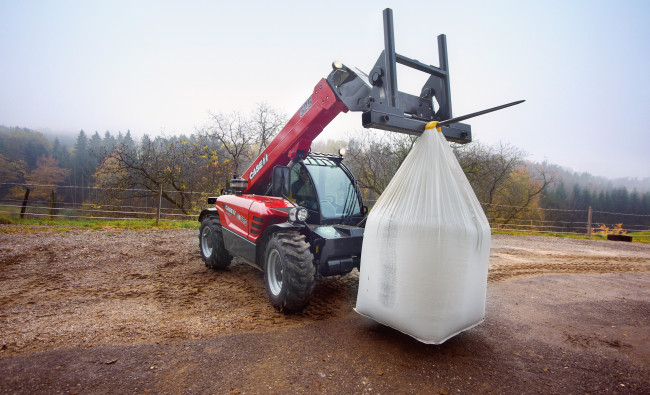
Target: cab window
(302, 190)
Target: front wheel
(288, 271)
(211, 244)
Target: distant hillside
(567, 176)
(596, 183)
(67, 138)
(22, 144)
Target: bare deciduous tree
(181, 166)
(503, 181)
(374, 157)
(233, 134)
(266, 122)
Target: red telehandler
(295, 213)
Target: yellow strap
(433, 125)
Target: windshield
(336, 193)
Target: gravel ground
(117, 310)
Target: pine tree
(81, 165)
(109, 143)
(61, 154)
(128, 141)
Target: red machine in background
(295, 213)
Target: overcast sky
(160, 67)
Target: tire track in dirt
(84, 288)
(530, 256)
(505, 272)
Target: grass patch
(63, 225)
(641, 237)
(6, 221)
(100, 224)
(547, 234)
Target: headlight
(298, 214)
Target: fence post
(159, 205)
(22, 209)
(53, 205)
(589, 223)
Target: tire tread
(300, 269)
(220, 258)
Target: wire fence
(566, 221)
(73, 202)
(145, 205)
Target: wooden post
(22, 209)
(589, 223)
(159, 205)
(53, 205)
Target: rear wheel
(211, 244)
(288, 271)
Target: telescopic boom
(377, 96)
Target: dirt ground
(125, 311)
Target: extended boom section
(376, 95)
(294, 140)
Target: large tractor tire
(211, 245)
(288, 271)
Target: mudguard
(208, 212)
(268, 232)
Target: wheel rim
(206, 241)
(274, 274)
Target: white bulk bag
(426, 248)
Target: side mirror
(280, 181)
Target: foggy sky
(160, 67)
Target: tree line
(603, 201)
(186, 168)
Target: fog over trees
(189, 167)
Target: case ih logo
(234, 213)
(259, 166)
